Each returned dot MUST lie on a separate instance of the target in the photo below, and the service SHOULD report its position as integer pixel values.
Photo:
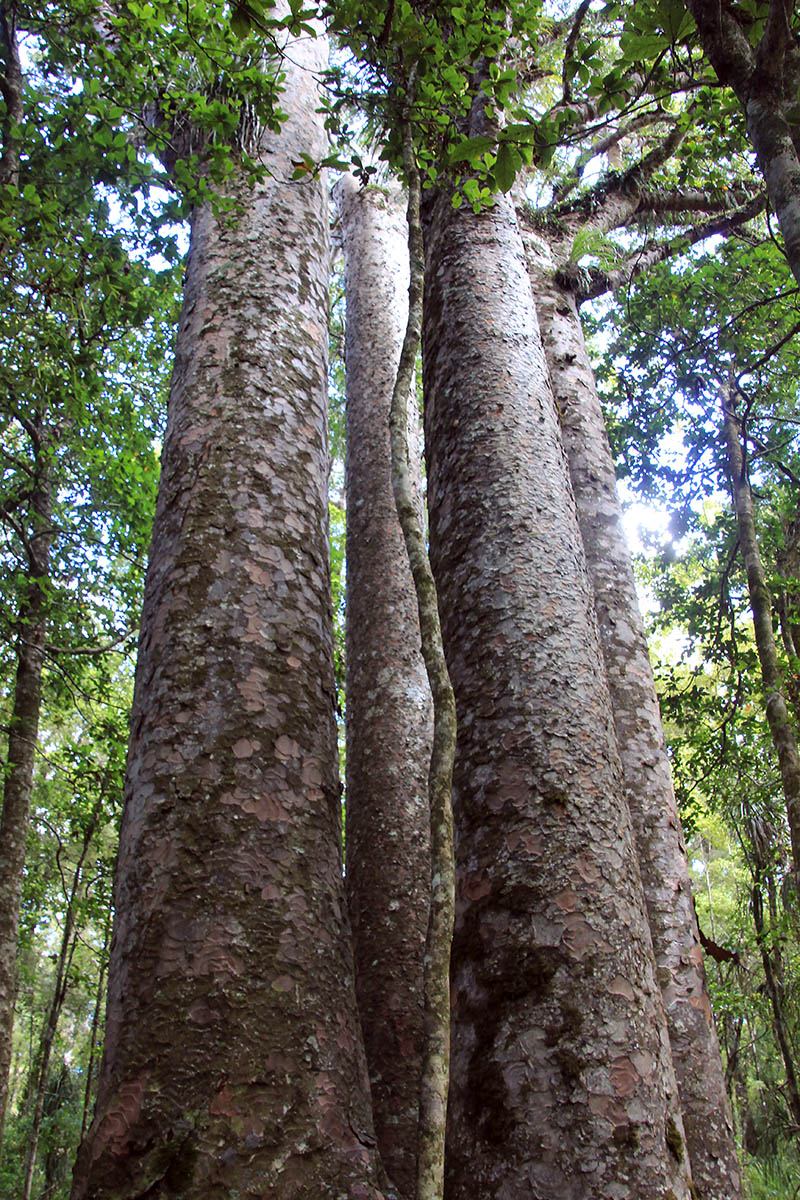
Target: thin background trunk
(233, 1059)
(21, 754)
(389, 725)
(648, 782)
(562, 1081)
(69, 937)
(778, 719)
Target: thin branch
(591, 283)
(569, 48)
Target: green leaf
(471, 149)
(509, 161)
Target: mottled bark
(389, 725)
(562, 1083)
(435, 1078)
(648, 783)
(778, 719)
(21, 752)
(233, 1061)
(765, 78)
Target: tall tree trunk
(23, 732)
(562, 1082)
(388, 699)
(648, 782)
(435, 1075)
(233, 1059)
(778, 719)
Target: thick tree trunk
(233, 1059)
(778, 719)
(435, 1076)
(648, 781)
(388, 699)
(23, 732)
(562, 1082)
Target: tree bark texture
(233, 1060)
(389, 726)
(765, 79)
(21, 752)
(778, 719)
(435, 1076)
(637, 719)
(562, 1083)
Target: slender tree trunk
(61, 983)
(90, 1063)
(233, 1061)
(778, 719)
(562, 1082)
(648, 782)
(775, 993)
(388, 699)
(23, 732)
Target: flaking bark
(389, 717)
(434, 1081)
(233, 1060)
(648, 783)
(562, 1082)
(778, 719)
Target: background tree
(388, 698)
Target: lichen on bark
(435, 1076)
(389, 716)
(233, 1059)
(648, 784)
(562, 1082)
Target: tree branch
(590, 283)
(569, 48)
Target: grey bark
(389, 725)
(562, 1083)
(233, 1060)
(660, 846)
(435, 1076)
